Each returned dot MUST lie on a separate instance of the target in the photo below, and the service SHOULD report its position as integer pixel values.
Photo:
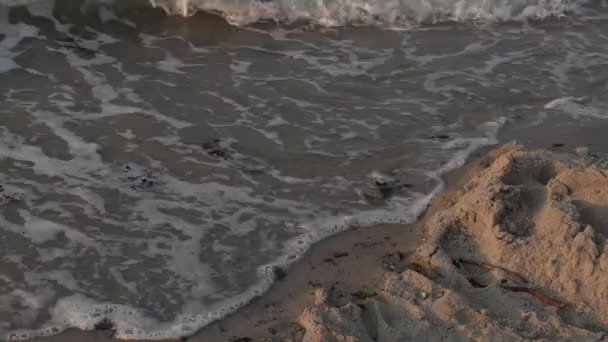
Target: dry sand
(540, 217)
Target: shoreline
(504, 210)
(515, 248)
(334, 259)
(337, 260)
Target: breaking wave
(349, 12)
(391, 12)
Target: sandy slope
(540, 214)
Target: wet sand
(347, 262)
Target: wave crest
(385, 12)
(396, 13)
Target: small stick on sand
(541, 296)
(515, 277)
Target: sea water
(158, 159)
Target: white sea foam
(343, 12)
(80, 311)
(39, 230)
(578, 107)
(231, 204)
(13, 34)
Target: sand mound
(541, 217)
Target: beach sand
(536, 221)
(515, 249)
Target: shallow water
(155, 167)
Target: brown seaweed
(514, 276)
(541, 296)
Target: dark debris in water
(440, 137)
(105, 325)
(139, 180)
(224, 150)
(75, 46)
(373, 196)
(383, 189)
(217, 149)
(278, 273)
(389, 189)
(8, 198)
